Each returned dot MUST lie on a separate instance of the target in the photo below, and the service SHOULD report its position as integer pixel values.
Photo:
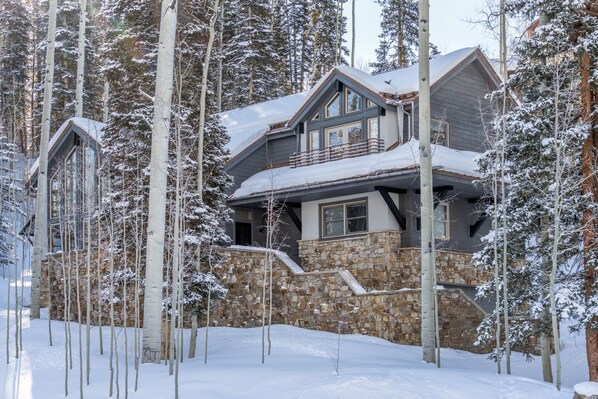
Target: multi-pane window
(353, 101)
(343, 134)
(333, 108)
(441, 221)
(439, 132)
(344, 219)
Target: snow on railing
(333, 153)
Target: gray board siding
(249, 165)
(462, 215)
(459, 101)
(279, 149)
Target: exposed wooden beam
(291, 212)
(401, 220)
(473, 229)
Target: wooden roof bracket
(400, 218)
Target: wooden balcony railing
(333, 153)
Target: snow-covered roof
(394, 83)
(89, 126)
(248, 124)
(404, 157)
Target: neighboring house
(343, 159)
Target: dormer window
(333, 108)
(353, 101)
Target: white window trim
(447, 223)
(345, 125)
(347, 90)
(337, 95)
(345, 220)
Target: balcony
(334, 153)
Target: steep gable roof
(398, 83)
(93, 129)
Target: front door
(242, 233)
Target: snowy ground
(302, 365)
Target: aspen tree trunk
(557, 204)
(426, 198)
(497, 307)
(152, 311)
(220, 53)
(545, 336)
(41, 205)
(401, 38)
(202, 119)
(353, 33)
(106, 102)
(504, 71)
(81, 58)
(78, 295)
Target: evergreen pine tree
(547, 117)
(398, 38)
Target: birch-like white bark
(81, 58)
(503, 193)
(41, 204)
(428, 336)
(152, 309)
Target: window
(333, 108)
(370, 104)
(343, 134)
(314, 139)
(55, 195)
(344, 219)
(439, 132)
(89, 178)
(373, 132)
(441, 221)
(71, 176)
(353, 101)
(316, 116)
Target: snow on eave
(399, 161)
(358, 77)
(247, 125)
(92, 128)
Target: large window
(441, 221)
(314, 139)
(343, 134)
(333, 108)
(373, 131)
(353, 101)
(344, 219)
(439, 132)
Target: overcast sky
(449, 28)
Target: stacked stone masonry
(367, 284)
(378, 262)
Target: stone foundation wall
(319, 300)
(378, 262)
(68, 277)
(371, 258)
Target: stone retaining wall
(378, 262)
(320, 300)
